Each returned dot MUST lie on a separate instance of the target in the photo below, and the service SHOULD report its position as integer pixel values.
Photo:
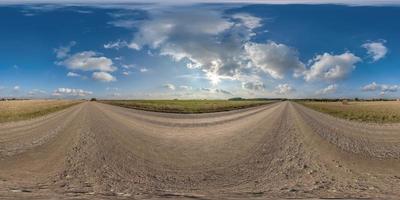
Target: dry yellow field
(364, 111)
(27, 109)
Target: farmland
(187, 106)
(26, 109)
(363, 111)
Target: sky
(195, 50)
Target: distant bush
(236, 99)
(93, 99)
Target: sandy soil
(281, 150)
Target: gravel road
(280, 150)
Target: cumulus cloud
(222, 91)
(73, 74)
(63, 51)
(116, 45)
(88, 61)
(169, 86)
(165, 26)
(185, 87)
(217, 44)
(328, 90)
(16, 88)
(221, 46)
(256, 85)
(370, 87)
(204, 39)
(376, 50)
(216, 91)
(390, 88)
(284, 89)
(71, 92)
(36, 92)
(126, 73)
(103, 76)
(248, 20)
(330, 67)
(380, 87)
(274, 59)
(128, 66)
(143, 70)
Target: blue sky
(199, 50)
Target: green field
(27, 109)
(187, 106)
(363, 111)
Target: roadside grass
(27, 109)
(187, 106)
(362, 111)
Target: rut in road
(283, 149)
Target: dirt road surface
(281, 150)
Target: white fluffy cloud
(221, 46)
(376, 50)
(390, 88)
(116, 45)
(330, 67)
(63, 51)
(284, 89)
(166, 26)
(255, 85)
(274, 59)
(103, 76)
(380, 87)
(36, 92)
(128, 66)
(328, 90)
(169, 86)
(126, 73)
(222, 91)
(185, 87)
(71, 92)
(73, 74)
(16, 88)
(88, 61)
(216, 91)
(205, 39)
(370, 87)
(248, 20)
(143, 70)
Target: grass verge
(187, 106)
(362, 111)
